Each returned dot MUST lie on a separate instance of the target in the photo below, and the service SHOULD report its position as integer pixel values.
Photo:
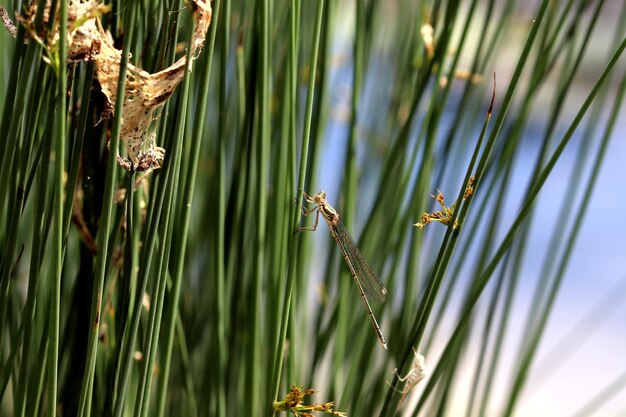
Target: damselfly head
(320, 197)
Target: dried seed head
(145, 93)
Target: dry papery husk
(145, 92)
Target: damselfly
(363, 274)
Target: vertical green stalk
(15, 95)
(57, 236)
(304, 151)
(106, 221)
(349, 195)
(20, 137)
(158, 295)
(280, 228)
(130, 253)
(261, 221)
(183, 225)
(221, 208)
(156, 307)
(12, 174)
(27, 366)
(79, 136)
